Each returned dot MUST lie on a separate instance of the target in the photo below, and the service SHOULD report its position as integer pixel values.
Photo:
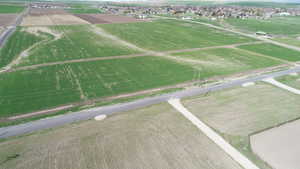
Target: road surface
(10, 29)
(107, 110)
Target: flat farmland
(274, 26)
(106, 18)
(55, 19)
(84, 11)
(291, 40)
(284, 139)
(240, 112)
(11, 9)
(71, 42)
(290, 80)
(149, 138)
(7, 19)
(283, 29)
(225, 61)
(39, 12)
(16, 44)
(162, 35)
(33, 90)
(274, 51)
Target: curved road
(91, 113)
(11, 29)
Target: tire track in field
(266, 56)
(25, 53)
(21, 56)
(148, 91)
(179, 59)
(129, 56)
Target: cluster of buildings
(186, 12)
(203, 11)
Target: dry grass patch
(291, 80)
(240, 112)
(149, 138)
(48, 20)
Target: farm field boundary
(187, 85)
(211, 134)
(123, 56)
(240, 33)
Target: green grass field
(275, 25)
(32, 90)
(17, 43)
(11, 9)
(149, 138)
(224, 61)
(290, 80)
(208, 20)
(237, 113)
(84, 11)
(162, 35)
(291, 40)
(274, 51)
(76, 42)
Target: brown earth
(39, 12)
(104, 18)
(7, 19)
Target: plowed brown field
(7, 19)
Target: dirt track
(149, 91)
(122, 57)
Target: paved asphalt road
(10, 30)
(91, 113)
(4, 36)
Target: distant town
(186, 12)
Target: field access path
(148, 53)
(237, 32)
(10, 29)
(107, 110)
(90, 113)
(214, 136)
(274, 82)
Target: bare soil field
(240, 112)
(7, 19)
(279, 146)
(103, 18)
(48, 20)
(156, 137)
(39, 12)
